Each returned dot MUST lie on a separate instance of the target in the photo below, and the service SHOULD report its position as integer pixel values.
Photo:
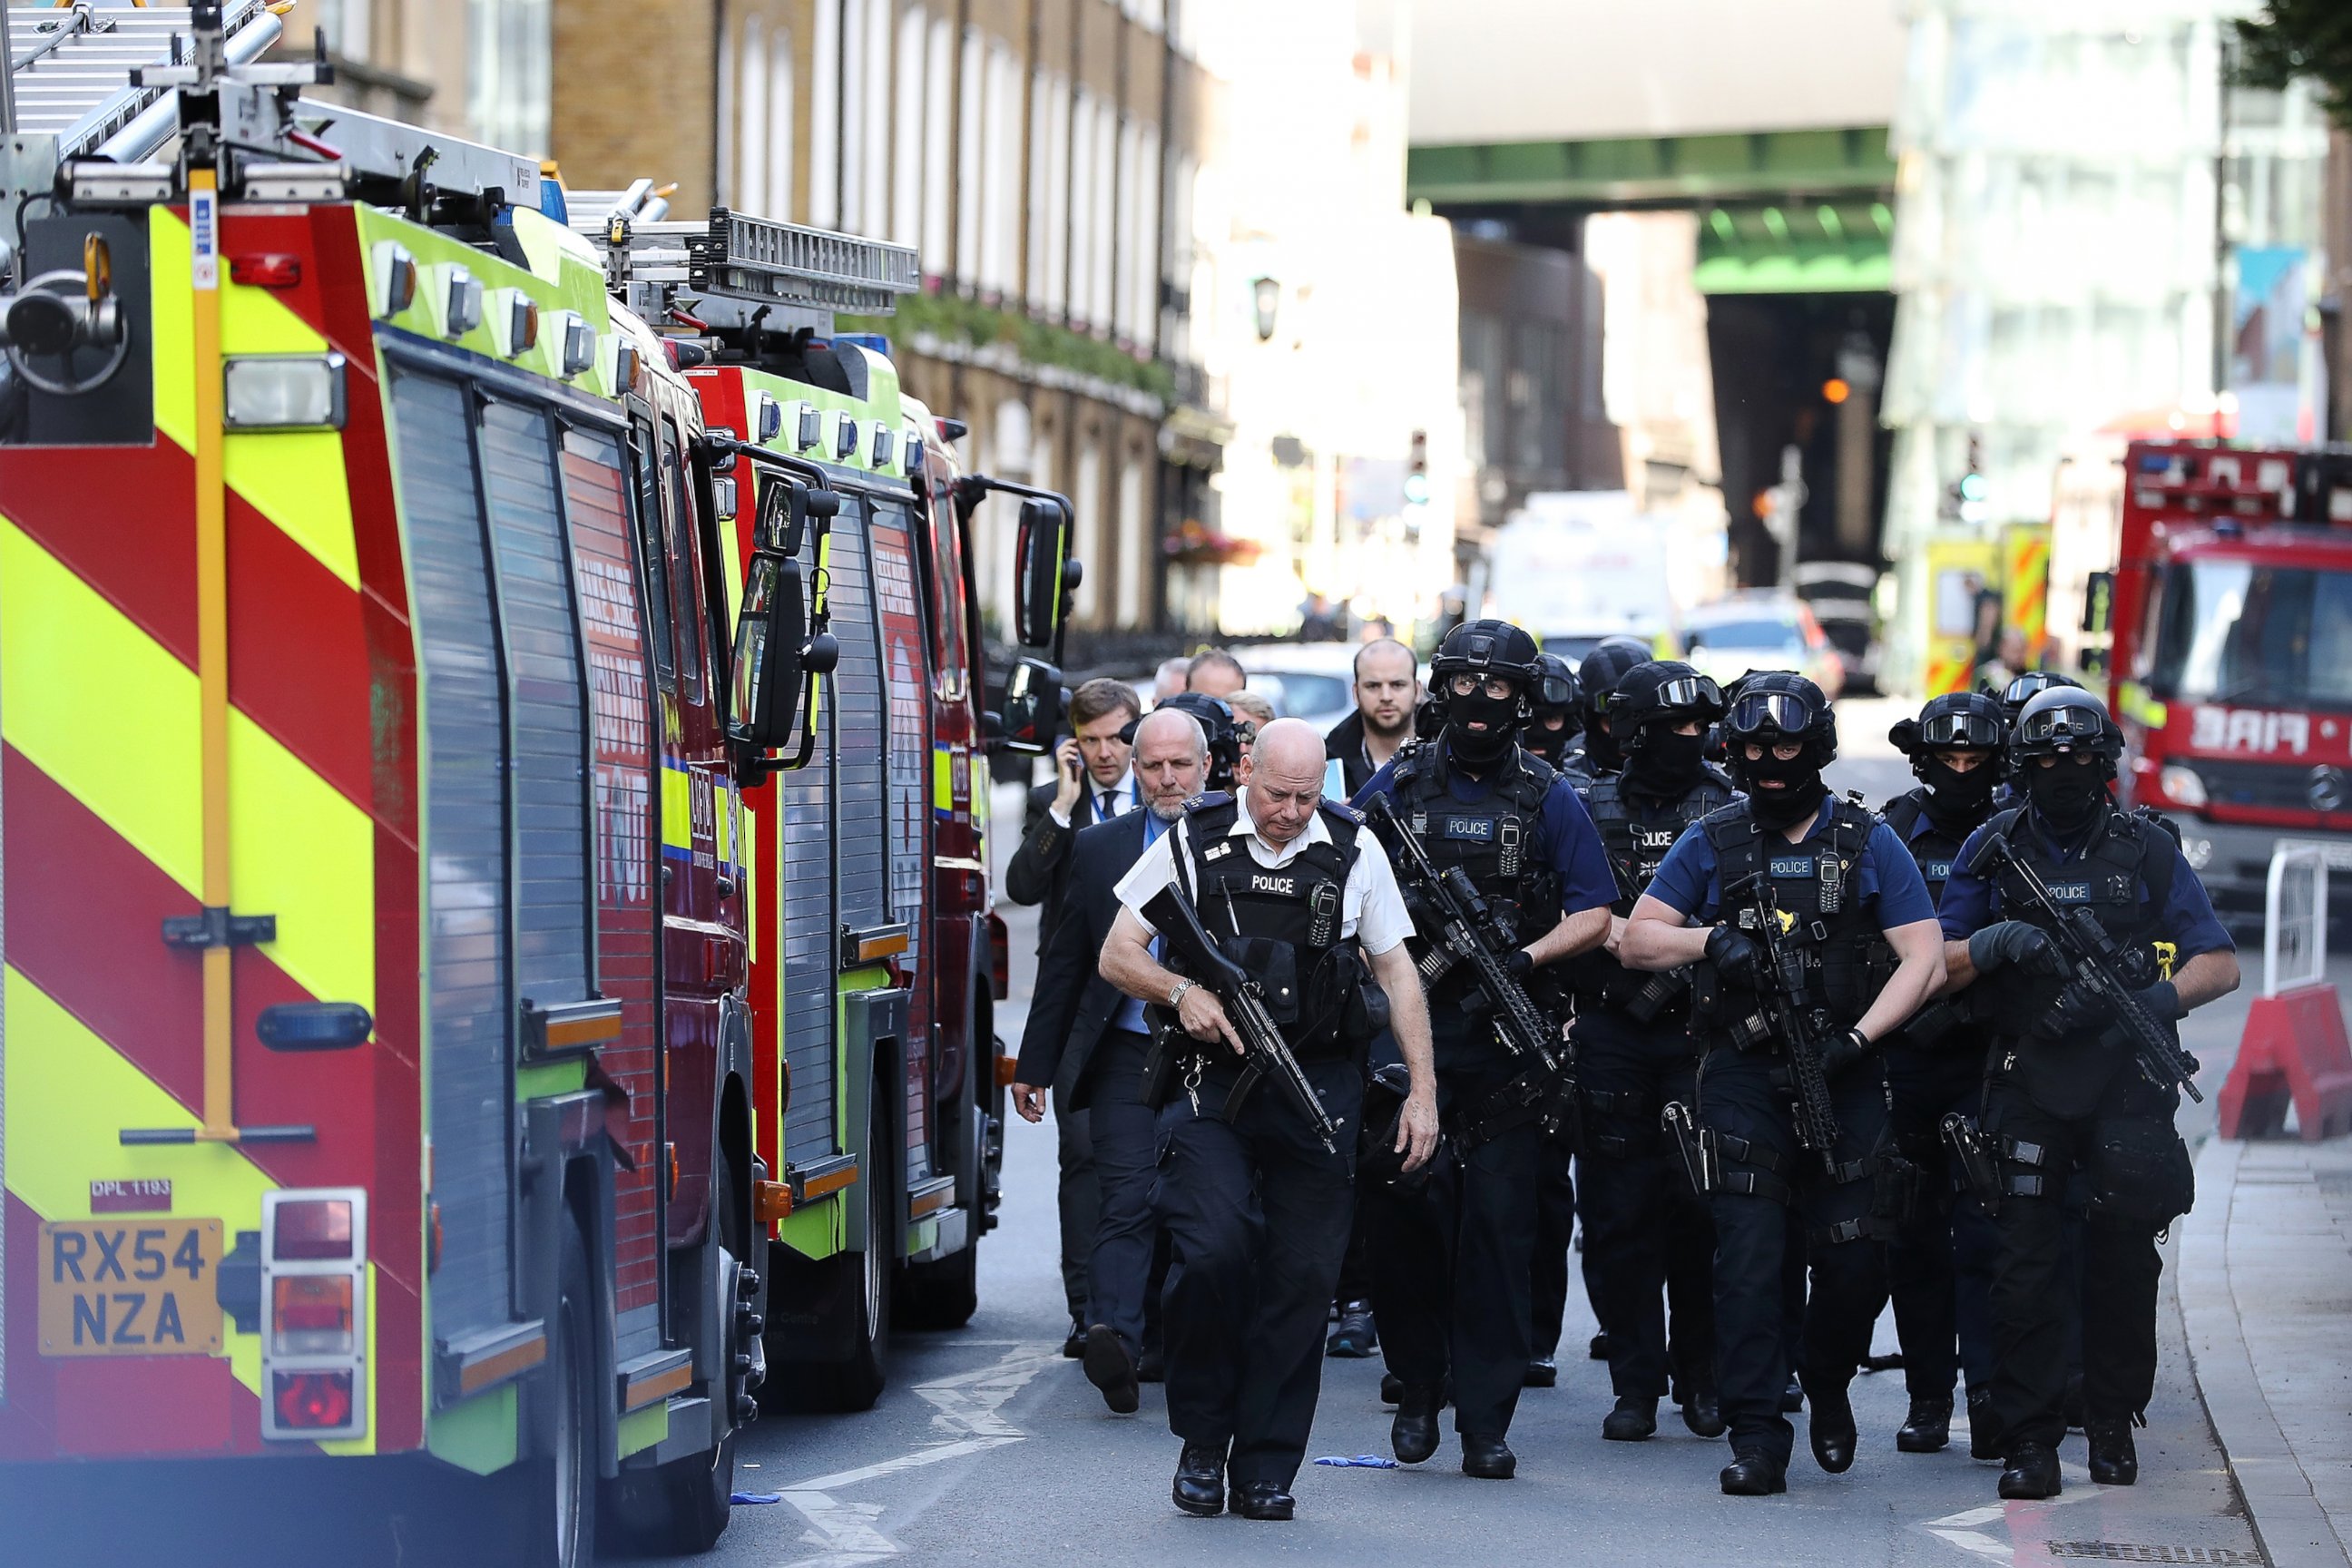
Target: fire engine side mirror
(2098, 601)
(771, 635)
(1045, 576)
(787, 505)
(1033, 707)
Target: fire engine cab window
(678, 522)
(2235, 632)
(651, 551)
(945, 580)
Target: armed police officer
(1555, 710)
(1787, 895)
(1256, 1198)
(1645, 1230)
(1452, 1295)
(2083, 1077)
(1939, 1264)
(1596, 752)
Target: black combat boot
(1200, 1488)
(1793, 1398)
(1414, 1433)
(1110, 1367)
(1263, 1500)
(1074, 1345)
(1984, 1426)
(2032, 1473)
(1355, 1337)
(2115, 1462)
(1754, 1473)
(1391, 1388)
(1487, 1457)
(1832, 1430)
(1701, 1414)
(1634, 1418)
(1599, 1349)
(1543, 1371)
(1927, 1429)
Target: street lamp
(1266, 294)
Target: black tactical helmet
(1556, 688)
(1956, 722)
(1216, 719)
(2026, 688)
(1776, 705)
(1487, 646)
(1662, 692)
(1603, 668)
(2065, 720)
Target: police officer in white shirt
(1258, 1210)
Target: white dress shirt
(1371, 910)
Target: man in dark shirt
(1387, 687)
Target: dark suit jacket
(1040, 869)
(1073, 1005)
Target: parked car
(1314, 682)
(1763, 629)
(1839, 594)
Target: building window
(939, 127)
(825, 115)
(1134, 543)
(1123, 230)
(1087, 495)
(1082, 207)
(1001, 193)
(1049, 258)
(907, 142)
(1102, 252)
(877, 203)
(507, 81)
(347, 25)
(778, 201)
(853, 115)
(971, 150)
(751, 130)
(1143, 249)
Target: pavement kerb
(2288, 1522)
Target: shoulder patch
(1342, 810)
(1208, 801)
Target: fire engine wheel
(859, 1379)
(560, 1487)
(943, 1293)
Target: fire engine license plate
(129, 1287)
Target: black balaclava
(1500, 714)
(1667, 766)
(1551, 745)
(2067, 794)
(1959, 800)
(1782, 808)
(1600, 748)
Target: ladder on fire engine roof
(68, 102)
(724, 270)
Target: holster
(1515, 1103)
(2140, 1172)
(1159, 1062)
(1691, 1145)
(1973, 1157)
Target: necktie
(1104, 810)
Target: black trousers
(1741, 1095)
(1555, 1232)
(1649, 1240)
(1453, 1267)
(2034, 1289)
(1257, 1213)
(1078, 1199)
(1939, 1264)
(1125, 1155)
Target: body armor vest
(1281, 924)
(1636, 846)
(1814, 886)
(1934, 850)
(1497, 841)
(2105, 879)
(1939, 1023)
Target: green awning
(1796, 247)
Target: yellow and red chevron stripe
(103, 790)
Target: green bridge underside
(1782, 212)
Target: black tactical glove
(1846, 1051)
(2076, 1010)
(2163, 1002)
(1520, 964)
(1736, 957)
(2021, 943)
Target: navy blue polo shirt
(1973, 902)
(1887, 883)
(1565, 836)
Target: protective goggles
(1755, 712)
(2061, 726)
(1690, 691)
(1961, 730)
(1554, 691)
(2027, 687)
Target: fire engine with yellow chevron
(498, 964)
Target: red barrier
(2294, 1049)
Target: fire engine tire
(558, 1488)
(681, 1508)
(941, 1294)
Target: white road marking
(969, 1420)
(1962, 1530)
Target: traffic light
(1416, 470)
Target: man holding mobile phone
(1093, 782)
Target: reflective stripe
(104, 710)
(293, 478)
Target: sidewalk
(2267, 1297)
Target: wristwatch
(1176, 992)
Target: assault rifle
(1657, 992)
(2094, 956)
(1470, 931)
(1265, 1053)
(1800, 1028)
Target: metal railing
(2294, 912)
